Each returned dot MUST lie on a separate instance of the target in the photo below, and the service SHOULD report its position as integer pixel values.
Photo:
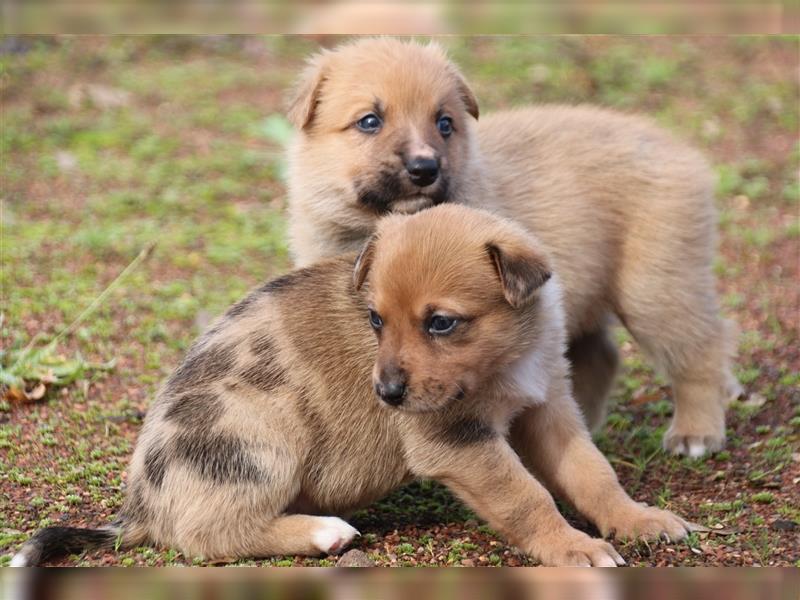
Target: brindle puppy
(272, 421)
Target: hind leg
(665, 294)
(304, 535)
(594, 360)
(676, 323)
(703, 388)
(300, 534)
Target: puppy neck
(474, 185)
(529, 376)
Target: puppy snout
(423, 170)
(391, 387)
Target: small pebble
(355, 558)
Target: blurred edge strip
(399, 18)
(419, 584)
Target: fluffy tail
(56, 542)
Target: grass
(113, 145)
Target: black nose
(423, 171)
(391, 392)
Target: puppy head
(384, 127)
(452, 294)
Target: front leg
(553, 441)
(489, 477)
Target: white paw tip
(606, 561)
(19, 560)
(697, 449)
(333, 534)
(679, 448)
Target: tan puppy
(272, 418)
(624, 210)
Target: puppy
(625, 212)
(272, 421)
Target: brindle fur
(231, 463)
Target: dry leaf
(37, 393)
(647, 398)
(716, 529)
(755, 400)
(14, 394)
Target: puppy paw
(647, 522)
(693, 446)
(332, 535)
(734, 391)
(576, 549)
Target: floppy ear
(364, 262)
(465, 93)
(470, 102)
(521, 269)
(306, 94)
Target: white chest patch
(530, 376)
(532, 373)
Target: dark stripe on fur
(155, 464)
(203, 366)
(217, 456)
(241, 307)
(195, 410)
(263, 345)
(288, 280)
(263, 375)
(466, 432)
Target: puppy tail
(56, 542)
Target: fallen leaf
(647, 398)
(717, 529)
(754, 400)
(37, 393)
(15, 394)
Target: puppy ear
(522, 271)
(303, 103)
(470, 102)
(364, 262)
(464, 92)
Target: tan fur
(623, 209)
(272, 420)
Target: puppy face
(385, 124)
(450, 292)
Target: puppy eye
(445, 126)
(440, 325)
(375, 320)
(369, 123)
